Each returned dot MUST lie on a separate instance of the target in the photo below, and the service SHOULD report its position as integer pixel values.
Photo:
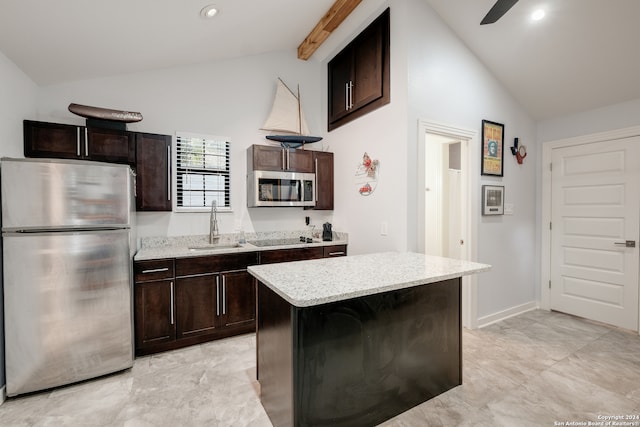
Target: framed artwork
(492, 148)
(492, 200)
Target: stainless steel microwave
(271, 188)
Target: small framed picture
(492, 200)
(492, 148)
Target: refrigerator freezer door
(67, 304)
(54, 194)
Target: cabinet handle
(350, 94)
(346, 96)
(155, 270)
(86, 142)
(336, 253)
(78, 141)
(288, 163)
(169, 173)
(315, 184)
(217, 295)
(172, 297)
(224, 295)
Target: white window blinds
(202, 171)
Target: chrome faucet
(213, 224)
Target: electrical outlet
(384, 228)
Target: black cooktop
(279, 242)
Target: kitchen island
(354, 341)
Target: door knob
(626, 243)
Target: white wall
(17, 101)
(433, 77)
(448, 84)
(611, 117)
(436, 78)
(382, 134)
(229, 98)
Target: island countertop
(315, 282)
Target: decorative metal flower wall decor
(367, 175)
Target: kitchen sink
(214, 246)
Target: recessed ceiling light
(208, 12)
(538, 15)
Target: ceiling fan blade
(500, 8)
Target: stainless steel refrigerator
(67, 244)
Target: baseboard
(505, 314)
(3, 394)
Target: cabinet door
(51, 140)
(239, 306)
(299, 161)
(154, 313)
(266, 158)
(359, 75)
(324, 180)
(367, 67)
(340, 79)
(109, 145)
(153, 172)
(198, 305)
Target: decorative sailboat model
(287, 119)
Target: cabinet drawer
(215, 263)
(336, 250)
(145, 271)
(297, 254)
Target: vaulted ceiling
(583, 55)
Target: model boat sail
(287, 119)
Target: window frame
(178, 169)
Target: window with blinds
(202, 172)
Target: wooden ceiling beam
(329, 22)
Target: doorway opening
(446, 201)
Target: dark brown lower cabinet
(153, 313)
(202, 301)
(360, 361)
(207, 304)
(196, 306)
(238, 299)
(186, 301)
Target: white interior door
(594, 236)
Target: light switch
(508, 208)
(384, 228)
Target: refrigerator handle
(78, 141)
(172, 299)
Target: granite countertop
(191, 246)
(314, 282)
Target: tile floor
(536, 369)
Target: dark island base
(361, 361)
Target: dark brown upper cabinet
(269, 158)
(153, 172)
(323, 162)
(359, 75)
(54, 140)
